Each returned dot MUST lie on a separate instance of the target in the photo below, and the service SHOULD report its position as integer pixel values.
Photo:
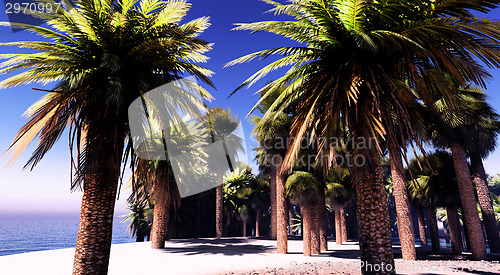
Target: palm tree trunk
(433, 228)
(338, 227)
(315, 238)
(219, 196)
(343, 224)
(244, 228)
(257, 223)
(306, 229)
(454, 229)
(322, 223)
(405, 226)
(373, 216)
(468, 199)
(93, 243)
(161, 209)
(483, 194)
(421, 225)
(273, 202)
(281, 214)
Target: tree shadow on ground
(228, 247)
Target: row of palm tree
(367, 66)
(361, 71)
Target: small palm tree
(237, 190)
(141, 220)
(339, 193)
(303, 189)
(259, 200)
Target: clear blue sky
(46, 189)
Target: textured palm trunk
(93, 243)
(219, 196)
(373, 217)
(421, 225)
(483, 195)
(281, 214)
(433, 228)
(161, 210)
(405, 226)
(454, 229)
(322, 223)
(468, 199)
(273, 202)
(338, 227)
(257, 223)
(343, 224)
(244, 228)
(306, 229)
(315, 238)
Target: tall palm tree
(155, 178)
(303, 189)
(222, 124)
(455, 129)
(358, 63)
(103, 55)
(483, 135)
(273, 136)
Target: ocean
(26, 234)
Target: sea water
(21, 234)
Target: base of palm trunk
(281, 216)
(218, 206)
(306, 230)
(373, 219)
(93, 244)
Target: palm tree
(259, 200)
(455, 129)
(155, 178)
(273, 136)
(436, 186)
(140, 219)
(103, 55)
(339, 193)
(237, 190)
(358, 63)
(483, 136)
(303, 189)
(222, 124)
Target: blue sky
(47, 187)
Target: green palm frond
(102, 55)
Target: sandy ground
(228, 256)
